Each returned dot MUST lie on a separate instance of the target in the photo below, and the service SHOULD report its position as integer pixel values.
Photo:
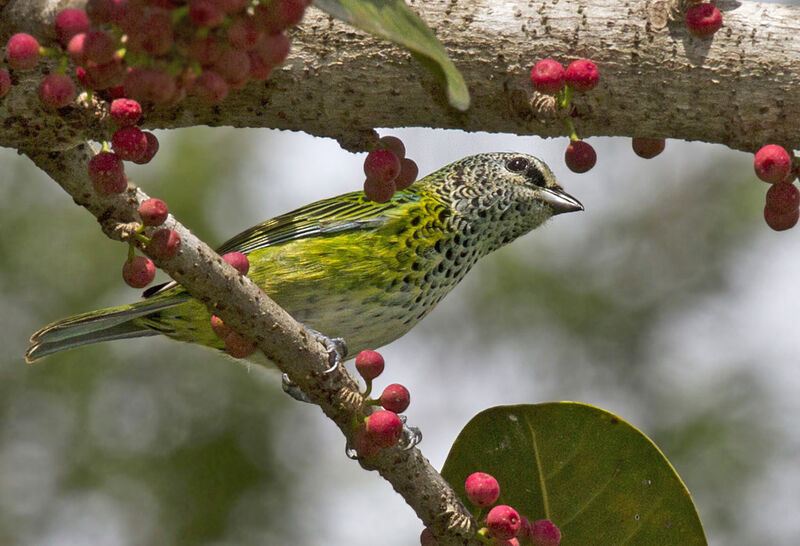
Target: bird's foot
(411, 436)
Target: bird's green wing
(351, 211)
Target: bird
(352, 268)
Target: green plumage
(352, 268)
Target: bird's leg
(411, 436)
(337, 350)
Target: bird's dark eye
(517, 165)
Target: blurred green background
(668, 302)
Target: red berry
(547, 76)
(783, 198)
(395, 398)
(57, 90)
(382, 165)
(139, 272)
(703, 20)
(152, 149)
(384, 427)
(545, 533)
(129, 143)
(154, 35)
(244, 33)
(364, 444)
(22, 51)
(369, 364)
(125, 112)
(238, 260)
(98, 47)
(238, 347)
(102, 76)
(648, 148)
(503, 522)
(205, 50)
(408, 174)
(378, 190)
(394, 145)
(279, 15)
(205, 13)
(164, 244)
(233, 65)
(426, 538)
(76, 49)
(70, 22)
(210, 87)
(219, 327)
(772, 163)
(273, 48)
(779, 221)
(149, 84)
(107, 173)
(580, 156)
(259, 70)
(482, 489)
(5, 83)
(582, 75)
(153, 212)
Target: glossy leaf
(599, 479)
(395, 21)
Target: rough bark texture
(736, 88)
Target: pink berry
(259, 70)
(205, 13)
(482, 489)
(545, 533)
(102, 76)
(426, 538)
(98, 47)
(279, 15)
(648, 148)
(395, 398)
(204, 50)
(238, 260)
(5, 83)
(210, 87)
(781, 222)
(152, 149)
(580, 156)
(107, 173)
(238, 346)
(408, 174)
(503, 542)
(219, 327)
(153, 212)
(503, 522)
(547, 76)
(129, 143)
(70, 22)
(164, 244)
(369, 364)
(233, 65)
(273, 48)
(382, 165)
(76, 48)
(125, 112)
(582, 75)
(772, 163)
(57, 90)
(703, 20)
(783, 198)
(394, 145)
(22, 51)
(379, 191)
(244, 33)
(384, 427)
(154, 36)
(139, 272)
(364, 444)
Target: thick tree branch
(737, 88)
(246, 308)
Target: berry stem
(131, 253)
(482, 535)
(566, 97)
(180, 13)
(573, 135)
(369, 387)
(372, 402)
(62, 65)
(105, 147)
(141, 238)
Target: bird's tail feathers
(95, 326)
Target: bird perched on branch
(349, 267)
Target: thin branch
(245, 307)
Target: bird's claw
(336, 347)
(411, 436)
(291, 388)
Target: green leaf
(395, 21)
(600, 480)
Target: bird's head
(505, 194)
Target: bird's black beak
(560, 201)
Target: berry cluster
(236, 345)
(382, 428)
(703, 20)
(504, 525)
(139, 271)
(773, 164)
(157, 51)
(388, 169)
(549, 77)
